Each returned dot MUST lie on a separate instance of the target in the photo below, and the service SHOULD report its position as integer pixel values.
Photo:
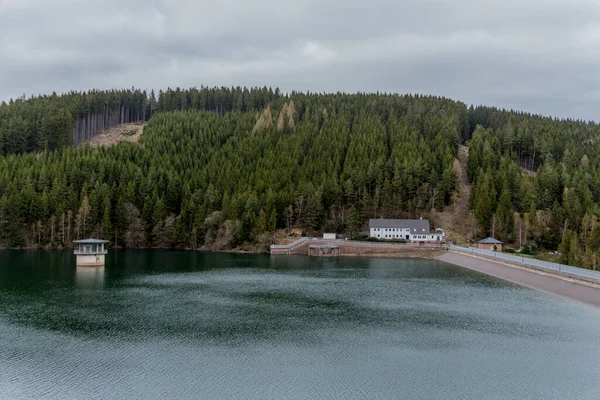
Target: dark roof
(490, 240)
(90, 241)
(415, 225)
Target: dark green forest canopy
(217, 167)
(50, 122)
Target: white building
(412, 230)
(90, 252)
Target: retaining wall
(347, 247)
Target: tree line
(50, 122)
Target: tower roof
(90, 241)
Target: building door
(407, 237)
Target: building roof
(490, 240)
(90, 241)
(415, 225)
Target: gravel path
(557, 285)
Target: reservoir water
(183, 325)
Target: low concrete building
(329, 236)
(90, 252)
(490, 243)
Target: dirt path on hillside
(120, 133)
(456, 219)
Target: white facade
(415, 231)
(391, 233)
(329, 236)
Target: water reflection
(89, 277)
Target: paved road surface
(564, 287)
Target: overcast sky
(541, 56)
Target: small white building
(411, 230)
(90, 252)
(329, 236)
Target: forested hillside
(51, 122)
(557, 207)
(220, 167)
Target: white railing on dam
(531, 262)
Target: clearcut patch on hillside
(121, 133)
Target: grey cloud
(539, 56)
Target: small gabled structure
(90, 252)
(490, 243)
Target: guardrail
(537, 264)
(291, 245)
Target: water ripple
(346, 329)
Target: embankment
(568, 288)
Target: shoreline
(240, 251)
